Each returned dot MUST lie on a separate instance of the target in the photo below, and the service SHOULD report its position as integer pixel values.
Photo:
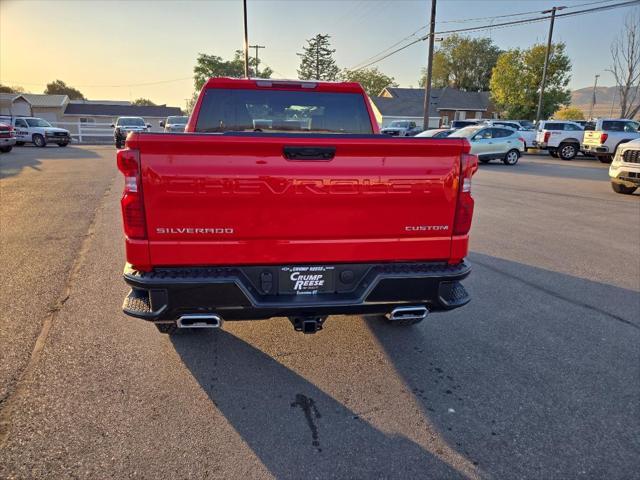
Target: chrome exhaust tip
(199, 320)
(419, 312)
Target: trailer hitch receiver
(307, 324)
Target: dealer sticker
(306, 280)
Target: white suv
(561, 138)
(625, 168)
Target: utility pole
(546, 59)
(257, 62)
(427, 85)
(593, 98)
(246, 41)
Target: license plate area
(306, 279)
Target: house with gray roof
(92, 116)
(446, 104)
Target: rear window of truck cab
(619, 126)
(282, 111)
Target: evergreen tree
(317, 60)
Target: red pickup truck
(283, 199)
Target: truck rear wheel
(167, 328)
(568, 151)
(39, 141)
(553, 153)
(605, 158)
(619, 188)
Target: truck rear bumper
(245, 293)
(595, 149)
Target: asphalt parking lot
(539, 377)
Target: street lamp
(593, 98)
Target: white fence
(88, 132)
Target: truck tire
(20, 144)
(63, 144)
(38, 140)
(619, 188)
(568, 151)
(605, 158)
(167, 328)
(6, 149)
(512, 157)
(553, 153)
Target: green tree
(372, 80)
(439, 73)
(8, 89)
(143, 102)
(516, 78)
(463, 63)
(569, 113)
(58, 87)
(317, 60)
(208, 66)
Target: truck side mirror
(113, 126)
(162, 123)
(148, 125)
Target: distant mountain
(606, 97)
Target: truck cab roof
(260, 83)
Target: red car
(283, 199)
(7, 138)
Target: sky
(123, 50)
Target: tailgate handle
(309, 153)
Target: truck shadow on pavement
(536, 378)
(539, 377)
(293, 427)
(26, 157)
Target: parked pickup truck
(282, 199)
(401, 128)
(607, 136)
(561, 138)
(37, 131)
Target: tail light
(464, 205)
(546, 136)
(133, 218)
(603, 137)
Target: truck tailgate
(592, 137)
(237, 199)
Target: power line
(466, 20)
(495, 26)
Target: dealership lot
(539, 377)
